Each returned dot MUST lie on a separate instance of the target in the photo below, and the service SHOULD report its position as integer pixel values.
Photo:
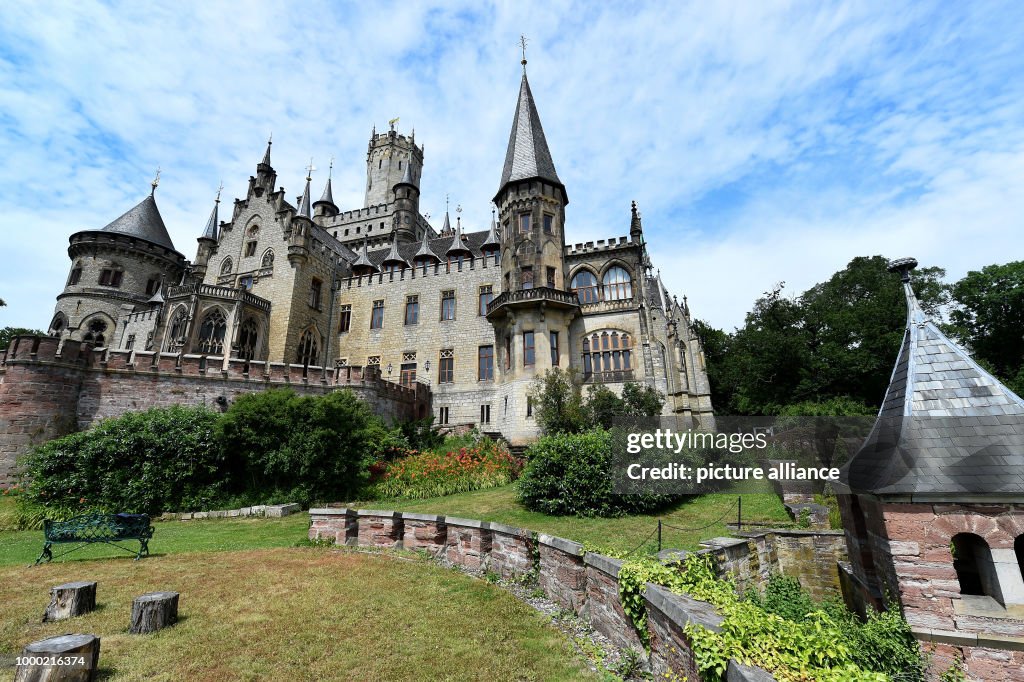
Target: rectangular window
(529, 406)
(412, 310)
(377, 315)
(524, 222)
(111, 278)
(551, 277)
(442, 415)
(486, 296)
(315, 290)
(526, 277)
(131, 342)
(508, 352)
(245, 282)
(152, 285)
(529, 356)
(485, 414)
(250, 248)
(554, 349)
(76, 275)
(373, 361)
(446, 367)
(485, 363)
(448, 305)
(408, 377)
(345, 318)
(548, 220)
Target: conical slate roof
(457, 246)
(364, 260)
(266, 155)
(211, 225)
(946, 426)
(406, 176)
(446, 229)
(492, 236)
(144, 222)
(328, 196)
(528, 155)
(393, 255)
(425, 250)
(304, 208)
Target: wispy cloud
(763, 141)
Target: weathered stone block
(563, 575)
(424, 531)
(468, 542)
(337, 524)
(511, 550)
(604, 608)
(279, 510)
(379, 528)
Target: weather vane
(392, 122)
(310, 169)
(219, 191)
(522, 44)
(156, 181)
(330, 169)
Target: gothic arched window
(617, 284)
(306, 353)
(225, 266)
(211, 333)
(584, 285)
(176, 336)
(248, 335)
(60, 321)
(95, 332)
(268, 259)
(607, 351)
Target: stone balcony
(538, 296)
(221, 293)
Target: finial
(270, 138)
(522, 44)
(458, 209)
(156, 181)
(903, 266)
(446, 202)
(310, 169)
(392, 122)
(217, 200)
(330, 168)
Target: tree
(641, 400)
(988, 317)
(558, 402)
(8, 333)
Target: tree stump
(67, 658)
(70, 600)
(154, 611)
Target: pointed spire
(491, 242)
(406, 177)
(635, 226)
(393, 255)
(363, 262)
(457, 245)
(528, 155)
(266, 155)
(211, 225)
(425, 250)
(328, 196)
(304, 208)
(446, 229)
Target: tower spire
(522, 44)
(304, 208)
(266, 154)
(211, 224)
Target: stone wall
(49, 389)
(585, 583)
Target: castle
(471, 317)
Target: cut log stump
(70, 600)
(154, 611)
(67, 658)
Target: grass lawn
(295, 614)
(703, 517)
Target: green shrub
(312, 448)
(570, 473)
(140, 462)
(455, 469)
(784, 597)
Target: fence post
(659, 535)
(739, 513)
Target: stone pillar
(468, 543)
(563, 575)
(511, 550)
(380, 528)
(339, 525)
(424, 531)
(1008, 575)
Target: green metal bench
(97, 527)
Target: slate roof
(211, 224)
(407, 250)
(946, 426)
(528, 155)
(144, 222)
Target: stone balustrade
(584, 582)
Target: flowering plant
(485, 464)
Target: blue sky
(763, 141)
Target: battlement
(142, 315)
(600, 245)
(36, 349)
(443, 269)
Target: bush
(140, 462)
(312, 448)
(460, 469)
(570, 473)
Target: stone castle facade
(471, 316)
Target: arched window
(974, 568)
(225, 266)
(268, 259)
(60, 321)
(248, 335)
(176, 337)
(607, 353)
(95, 332)
(584, 285)
(211, 333)
(617, 284)
(306, 353)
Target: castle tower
(114, 270)
(407, 206)
(325, 206)
(207, 242)
(265, 177)
(387, 157)
(532, 315)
